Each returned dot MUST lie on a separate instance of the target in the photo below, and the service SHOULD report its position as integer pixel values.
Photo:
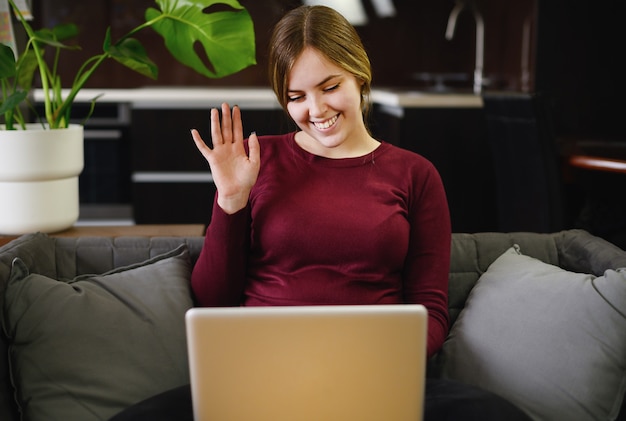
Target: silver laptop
(302, 363)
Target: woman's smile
(324, 125)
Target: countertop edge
(255, 98)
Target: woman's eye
(295, 98)
(332, 88)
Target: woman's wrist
(233, 204)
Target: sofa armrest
(580, 251)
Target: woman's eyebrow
(325, 80)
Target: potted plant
(38, 176)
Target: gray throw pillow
(550, 341)
(38, 251)
(88, 348)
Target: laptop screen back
(308, 363)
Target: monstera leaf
(226, 34)
(213, 37)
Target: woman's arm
(218, 277)
(428, 260)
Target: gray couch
(92, 325)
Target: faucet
(480, 38)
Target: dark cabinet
(106, 176)
(455, 141)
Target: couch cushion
(87, 348)
(471, 255)
(39, 252)
(549, 340)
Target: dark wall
(579, 65)
(574, 48)
(411, 42)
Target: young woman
(327, 214)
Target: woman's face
(325, 102)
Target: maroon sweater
(367, 230)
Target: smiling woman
(326, 215)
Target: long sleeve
(318, 231)
(219, 275)
(428, 258)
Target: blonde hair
(327, 31)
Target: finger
(237, 124)
(254, 149)
(216, 130)
(200, 144)
(227, 124)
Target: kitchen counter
(160, 230)
(419, 99)
(179, 97)
(258, 98)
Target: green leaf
(131, 54)
(7, 62)
(65, 31)
(12, 101)
(227, 37)
(27, 66)
(54, 36)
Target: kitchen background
(562, 55)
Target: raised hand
(234, 172)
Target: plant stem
(79, 82)
(40, 61)
(9, 113)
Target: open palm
(234, 172)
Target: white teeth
(326, 124)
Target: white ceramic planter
(39, 172)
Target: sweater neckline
(336, 162)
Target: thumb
(254, 149)
(200, 144)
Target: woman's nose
(317, 106)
